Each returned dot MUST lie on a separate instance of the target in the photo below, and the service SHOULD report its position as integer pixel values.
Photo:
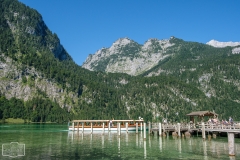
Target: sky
(85, 26)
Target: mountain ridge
(128, 50)
(122, 58)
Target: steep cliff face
(127, 56)
(28, 28)
(24, 82)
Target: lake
(54, 141)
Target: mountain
(127, 56)
(39, 81)
(210, 73)
(218, 44)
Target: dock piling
(127, 127)
(144, 131)
(149, 127)
(119, 129)
(203, 131)
(136, 128)
(178, 128)
(91, 128)
(103, 128)
(231, 144)
(160, 129)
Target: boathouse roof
(202, 113)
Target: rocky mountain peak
(218, 44)
(122, 41)
(127, 56)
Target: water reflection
(205, 149)
(160, 144)
(149, 141)
(145, 149)
(102, 141)
(137, 140)
(60, 144)
(119, 147)
(126, 139)
(180, 146)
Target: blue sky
(85, 26)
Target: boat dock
(162, 129)
(181, 130)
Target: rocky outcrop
(127, 56)
(28, 83)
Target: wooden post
(127, 127)
(178, 129)
(78, 126)
(160, 129)
(149, 127)
(91, 128)
(203, 131)
(163, 128)
(82, 127)
(119, 129)
(73, 126)
(136, 128)
(141, 126)
(108, 126)
(231, 144)
(103, 128)
(144, 131)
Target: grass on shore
(19, 120)
(14, 120)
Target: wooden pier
(163, 129)
(186, 129)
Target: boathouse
(200, 115)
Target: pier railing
(172, 126)
(234, 126)
(192, 126)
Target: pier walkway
(190, 127)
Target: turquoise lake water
(53, 141)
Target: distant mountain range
(127, 56)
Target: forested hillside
(40, 82)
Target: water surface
(52, 141)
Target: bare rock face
(23, 27)
(218, 44)
(127, 56)
(26, 84)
